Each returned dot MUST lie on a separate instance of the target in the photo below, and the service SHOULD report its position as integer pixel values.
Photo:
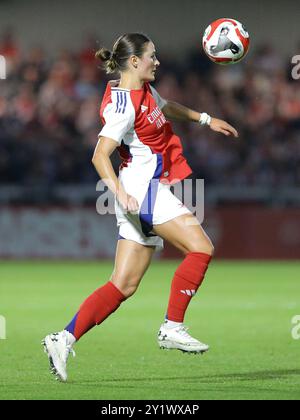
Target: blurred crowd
(49, 115)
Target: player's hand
(128, 202)
(221, 126)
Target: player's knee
(129, 291)
(205, 247)
(211, 250)
(127, 286)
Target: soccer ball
(225, 41)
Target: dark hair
(125, 46)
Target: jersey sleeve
(119, 116)
(158, 99)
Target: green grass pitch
(243, 310)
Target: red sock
(187, 279)
(95, 309)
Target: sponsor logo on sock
(188, 292)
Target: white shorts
(157, 205)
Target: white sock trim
(172, 324)
(70, 337)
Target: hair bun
(126, 45)
(104, 54)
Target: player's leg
(132, 261)
(187, 235)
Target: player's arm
(102, 162)
(116, 125)
(178, 112)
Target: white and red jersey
(147, 145)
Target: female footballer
(136, 122)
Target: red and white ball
(226, 41)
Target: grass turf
(243, 311)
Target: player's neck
(130, 82)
